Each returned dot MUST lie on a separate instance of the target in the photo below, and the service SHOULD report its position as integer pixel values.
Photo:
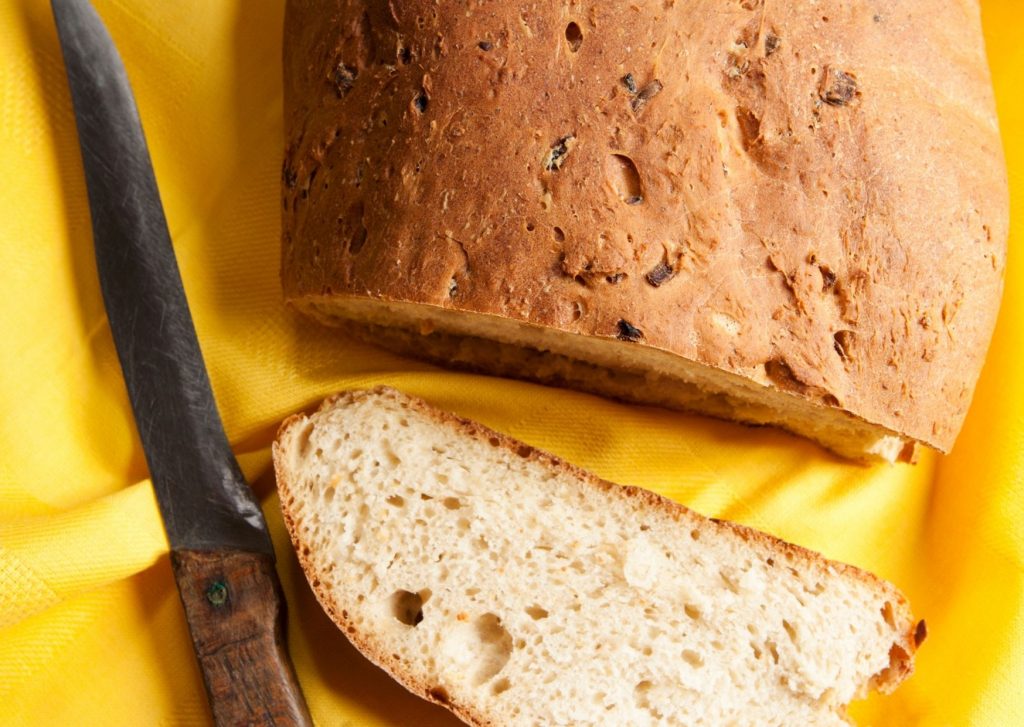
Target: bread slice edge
(489, 344)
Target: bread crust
(812, 197)
(901, 656)
(849, 436)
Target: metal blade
(204, 499)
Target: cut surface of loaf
(780, 213)
(516, 589)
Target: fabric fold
(49, 558)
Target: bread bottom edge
(438, 336)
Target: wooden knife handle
(235, 612)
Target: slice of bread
(517, 589)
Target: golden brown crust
(901, 656)
(811, 196)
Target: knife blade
(221, 552)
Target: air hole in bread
(452, 503)
(897, 660)
(358, 240)
(624, 178)
(536, 612)
(828, 278)
(407, 607)
(421, 101)
(573, 36)
(302, 439)
(328, 496)
(887, 614)
(396, 501)
(692, 611)
(692, 658)
(790, 630)
(439, 694)
(641, 696)
(502, 685)
(392, 458)
(843, 344)
(729, 581)
(353, 228)
(480, 648)
(750, 126)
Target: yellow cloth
(91, 630)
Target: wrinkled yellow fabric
(91, 630)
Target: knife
(221, 553)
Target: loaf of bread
(516, 589)
(783, 213)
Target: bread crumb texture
(518, 590)
(800, 207)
